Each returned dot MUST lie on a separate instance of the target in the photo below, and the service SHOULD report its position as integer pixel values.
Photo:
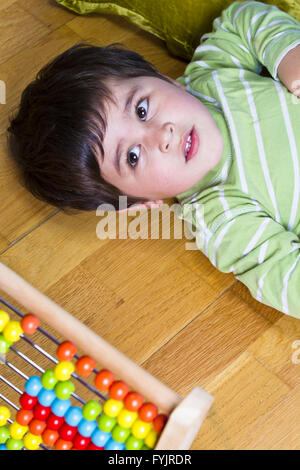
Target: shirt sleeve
(261, 253)
(247, 35)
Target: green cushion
(180, 23)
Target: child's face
(150, 137)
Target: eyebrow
(131, 94)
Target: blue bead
(114, 445)
(3, 447)
(73, 416)
(100, 438)
(46, 397)
(60, 407)
(33, 386)
(87, 427)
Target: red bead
(50, 437)
(103, 379)
(133, 401)
(148, 412)
(41, 412)
(159, 422)
(60, 444)
(30, 323)
(67, 432)
(80, 442)
(85, 365)
(54, 422)
(24, 417)
(66, 351)
(37, 427)
(118, 390)
(27, 401)
(92, 446)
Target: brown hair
(61, 123)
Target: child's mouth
(190, 144)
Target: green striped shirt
(246, 210)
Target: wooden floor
(167, 308)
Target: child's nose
(161, 137)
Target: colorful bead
(114, 445)
(4, 415)
(4, 319)
(126, 418)
(60, 407)
(81, 442)
(4, 434)
(50, 437)
(112, 407)
(133, 401)
(67, 432)
(27, 401)
(148, 412)
(159, 422)
(120, 434)
(24, 417)
(4, 344)
(103, 379)
(118, 390)
(73, 416)
(3, 447)
(91, 410)
(14, 444)
(54, 422)
(41, 412)
(133, 443)
(30, 323)
(33, 386)
(85, 365)
(106, 423)
(64, 390)
(12, 331)
(37, 427)
(60, 444)
(49, 379)
(140, 429)
(46, 397)
(92, 446)
(100, 438)
(63, 370)
(86, 428)
(17, 431)
(66, 351)
(151, 439)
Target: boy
(222, 140)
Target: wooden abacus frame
(186, 415)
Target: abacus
(120, 405)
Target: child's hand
(289, 71)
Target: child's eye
(133, 156)
(142, 109)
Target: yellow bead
(17, 431)
(4, 415)
(32, 442)
(4, 319)
(63, 370)
(126, 418)
(12, 331)
(140, 429)
(112, 407)
(151, 439)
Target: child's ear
(141, 206)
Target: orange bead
(118, 390)
(50, 437)
(37, 427)
(159, 422)
(30, 323)
(85, 365)
(133, 401)
(60, 444)
(66, 351)
(148, 412)
(24, 417)
(103, 379)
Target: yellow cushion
(180, 23)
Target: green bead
(106, 423)
(120, 434)
(4, 434)
(48, 379)
(91, 410)
(63, 390)
(133, 443)
(14, 444)
(4, 344)
(145, 447)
